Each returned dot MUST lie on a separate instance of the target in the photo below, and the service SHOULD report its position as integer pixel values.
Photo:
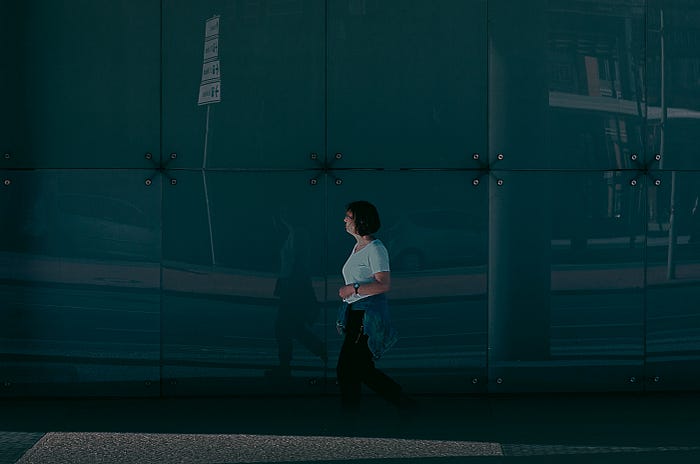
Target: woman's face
(350, 223)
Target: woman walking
(364, 316)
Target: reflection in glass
(437, 298)
(572, 72)
(227, 316)
(673, 64)
(566, 280)
(81, 283)
(673, 283)
(298, 307)
(271, 55)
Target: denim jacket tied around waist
(376, 323)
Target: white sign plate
(211, 49)
(212, 28)
(209, 93)
(211, 71)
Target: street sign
(210, 84)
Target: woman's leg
(350, 362)
(377, 380)
(349, 378)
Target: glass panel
(673, 65)
(265, 81)
(673, 279)
(572, 74)
(566, 278)
(80, 283)
(10, 79)
(407, 82)
(435, 229)
(243, 284)
(88, 89)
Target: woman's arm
(381, 284)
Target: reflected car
(437, 239)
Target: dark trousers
(356, 366)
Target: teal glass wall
(174, 175)
(80, 283)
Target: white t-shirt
(362, 265)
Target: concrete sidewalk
(600, 428)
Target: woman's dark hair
(366, 217)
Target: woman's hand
(346, 291)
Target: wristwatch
(356, 286)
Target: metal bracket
(325, 167)
(645, 169)
(160, 167)
(486, 169)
